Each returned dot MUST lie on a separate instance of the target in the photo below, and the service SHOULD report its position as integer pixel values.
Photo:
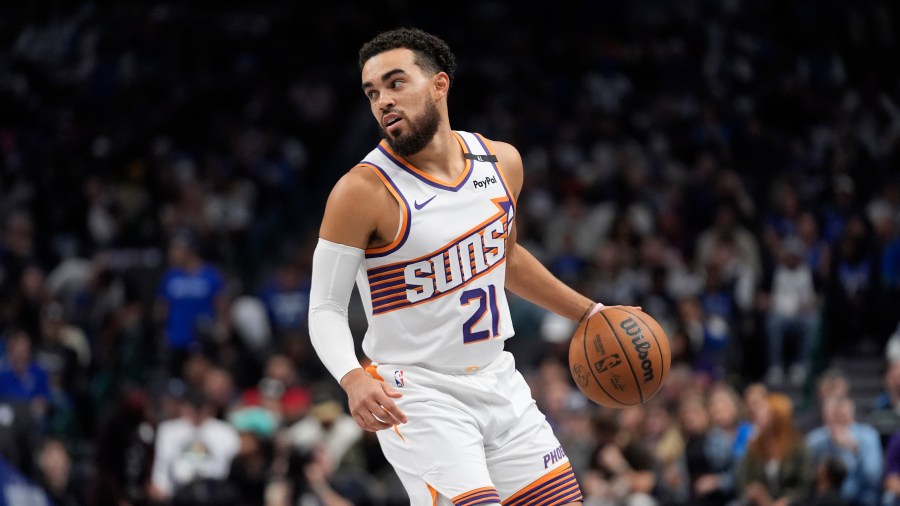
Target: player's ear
(441, 84)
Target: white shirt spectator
(793, 290)
(186, 451)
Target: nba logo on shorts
(398, 378)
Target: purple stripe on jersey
(408, 215)
(374, 271)
(376, 297)
(382, 279)
(388, 300)
(424, 179)
(486, 497)
(496, 169)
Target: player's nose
(386, 101)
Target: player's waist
(455, 370)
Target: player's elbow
(323, 312)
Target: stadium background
(125, 127)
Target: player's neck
(442, 157)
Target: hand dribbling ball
(619, 357)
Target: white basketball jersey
(435, 295)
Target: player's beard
(419, 133)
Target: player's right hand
(370, 401)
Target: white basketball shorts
(474, 438)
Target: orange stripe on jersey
(419, 172)
(557, 487)
(487, 146)
(404, 212)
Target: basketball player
(424, 226)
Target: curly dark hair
(432, 53)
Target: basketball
(619, 357)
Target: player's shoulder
(358, 183)
(506, 153)
(510, 161)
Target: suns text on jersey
(458, 263)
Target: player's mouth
(390, 121)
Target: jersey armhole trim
(405, 215)
(497, 167)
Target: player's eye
(372, 95)
(396, 83)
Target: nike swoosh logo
(423, 204)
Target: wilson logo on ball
(641, 346)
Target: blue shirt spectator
(190, 293)
(21, 378)
(286, 297)
(857, 445)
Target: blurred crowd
(733, 167)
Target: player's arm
(525, 275)
(354, 215)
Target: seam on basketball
(625, 352)
(588, 360)
(662, 359)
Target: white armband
(333, 276)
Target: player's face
(398, 93)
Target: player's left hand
(600, 307)
(371, 401)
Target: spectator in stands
(63, 351)
(853, 292)
(19, 435)
(830, 475)
(832, 382)
(328, 426)
(191, 301)
(777, 466)
(124, 453)
(856, 444)
(708, 454)
(56, 474)
(21, 377)
(817, 254)
(623, 467)
(286, 297)
(279, 391)
(728, 229)
(192, 449)
(311, 473)
(218, 387)
(790, 301)
(250, 468)
(727, 415)
(19, 248)
(709, 338)
(885, 415)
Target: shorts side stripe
(559, 486)
(431, 490)
(484, 495)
